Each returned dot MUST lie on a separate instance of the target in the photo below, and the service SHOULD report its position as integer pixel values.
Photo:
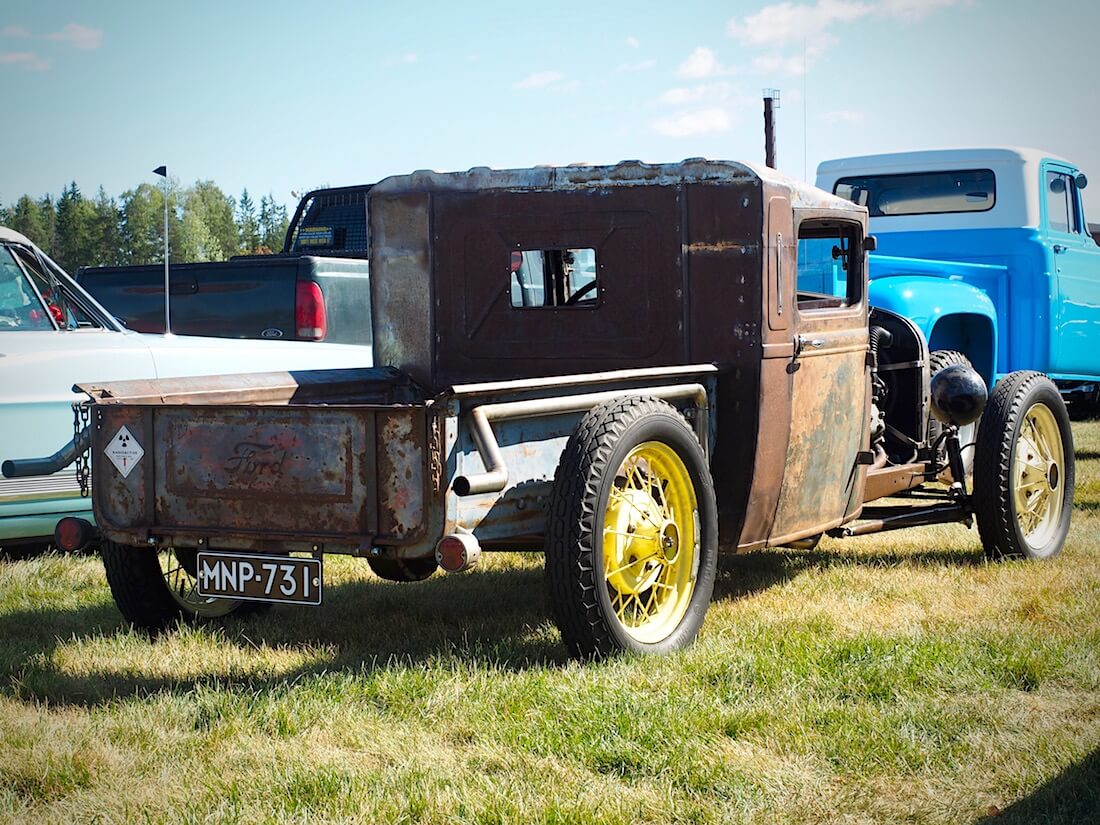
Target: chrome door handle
(816, 343)
(1059, 249)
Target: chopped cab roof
(625, 173)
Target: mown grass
(898, 678)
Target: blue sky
(282, 97)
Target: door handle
(1059, 249)
(816, 343)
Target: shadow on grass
(493, 616)
(1072, 797)
(742, 575)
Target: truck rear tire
(155, 589)
(403, 570)
(632, 532)
(968, 435)
(1024, 469)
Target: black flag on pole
(162, 171)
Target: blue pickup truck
(989, 252)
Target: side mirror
(870, 243)
(1082, 181)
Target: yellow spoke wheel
(632, 535)
(651, 541)
(1023, 475)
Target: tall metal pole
(163, 172)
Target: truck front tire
(968, 434)
(1024, 469)
(632, 532)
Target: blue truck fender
(952, 315)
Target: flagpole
(163, 172)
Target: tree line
(204, 224)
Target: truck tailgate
(253, 475)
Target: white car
(53, 334)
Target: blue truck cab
(989, 252)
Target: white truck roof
(1017, 184)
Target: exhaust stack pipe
(771, 103)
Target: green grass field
(898, 678)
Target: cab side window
(554, 278)
(67, 313)
(830, 261)
(1061, 192)
(21, 307)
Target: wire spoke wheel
(632, 532)
(179, 567)
(651, 542)
(156, 589)
(1023, 470)
(1038, 472)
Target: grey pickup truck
(315, 289)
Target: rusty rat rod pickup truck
(626, 367)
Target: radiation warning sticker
(124, 451)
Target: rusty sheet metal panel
(636, 318)
(723, 320)
(827, 431)
(262, 472)
(403, 456)
(401, 288)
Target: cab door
(1075, 264)
(829, 380)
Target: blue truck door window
(1075, 267)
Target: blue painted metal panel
(1014, 275)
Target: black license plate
(260, 578)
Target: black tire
(579, 586)
(968, 435)
(403, 570)
(1010, 469)
(141, 589)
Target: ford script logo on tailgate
(254, 459)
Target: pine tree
(26, 216)
(106, 235)
(72, 246)
(248, 230)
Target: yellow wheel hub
(1037, 473)
(651, 542)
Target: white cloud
(699, 122)
(401, 60)
(701, 63)
(790, 24)
(28, 60)
(845, 116)
(15, 31)
(539, 80)
(785, 23)
(675, 97)
(916, 9)
(78, 36)
(637, 67)
(712, 93)
(633, 42)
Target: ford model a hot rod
(626, 367)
